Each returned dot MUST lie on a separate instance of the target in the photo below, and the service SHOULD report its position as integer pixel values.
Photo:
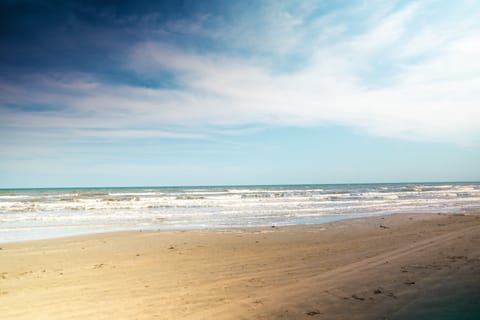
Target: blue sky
(248, 92)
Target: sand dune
(356, 269)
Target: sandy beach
(372, 268)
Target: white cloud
(385, 32)
(433, 98)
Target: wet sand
(377, 268)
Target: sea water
(46, 213)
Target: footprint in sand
(356, 297)
(313, 313)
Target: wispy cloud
(396, 75)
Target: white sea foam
(90, 210)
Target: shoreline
(330, 220)
(360, 268)
(205, 229)
(56, 213)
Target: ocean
(27, 214)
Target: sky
(159, 93)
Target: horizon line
(240, 185)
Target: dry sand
(372, 268)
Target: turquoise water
(54, 212)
